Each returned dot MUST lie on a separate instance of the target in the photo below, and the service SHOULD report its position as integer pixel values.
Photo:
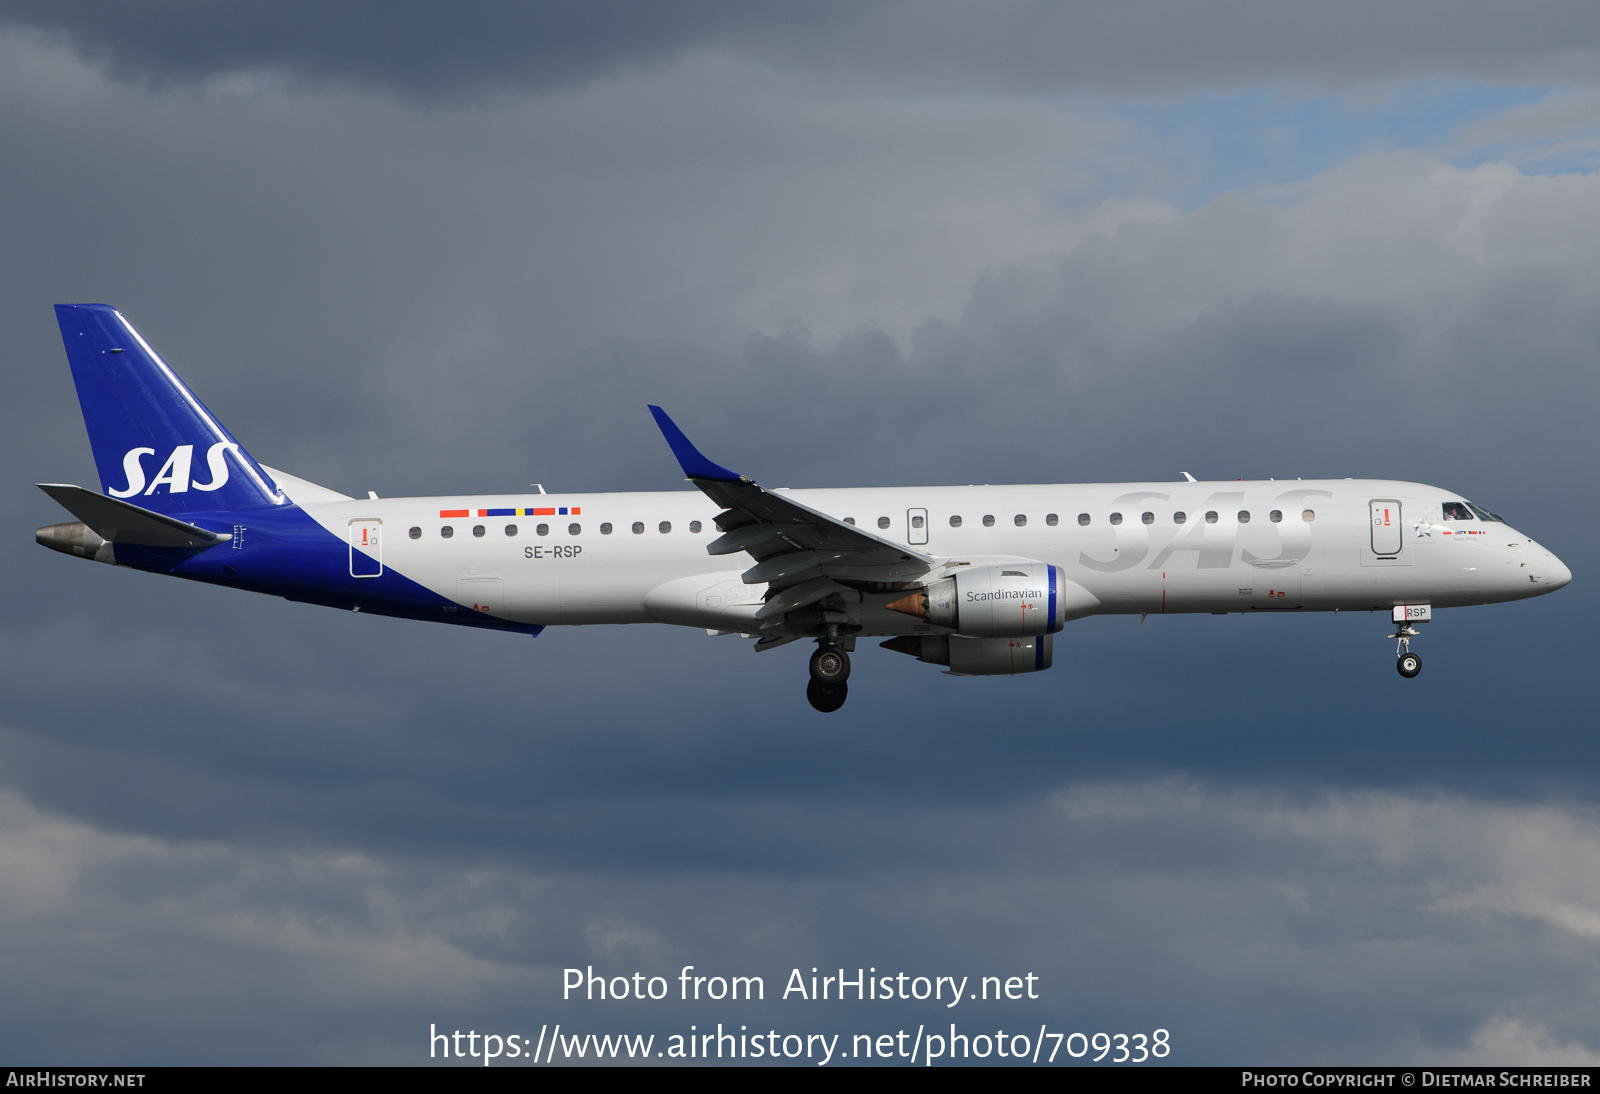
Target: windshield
(1484, 514)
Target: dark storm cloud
(426, 50)
(413, 48)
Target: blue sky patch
(1270, 136)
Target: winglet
(695, 466)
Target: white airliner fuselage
(1136, 547)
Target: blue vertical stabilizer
(154, 443)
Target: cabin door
(366, 548)
(1385, 513)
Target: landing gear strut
(1409, 663)
(830, 668)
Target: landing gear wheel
(827, 697)
(1409, 664)
(830, 665)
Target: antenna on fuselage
(1188, 477)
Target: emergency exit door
(1385, 527)
(916, 526)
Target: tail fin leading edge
(154, 443)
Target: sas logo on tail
(174, 474)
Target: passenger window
(1454, 510)
(1116, 518)
(917, 522)
(1179, 518)
(1308, 515)
(1211, 516)
(416, 533)
(477, 530)
(511, 529)
(447, 531)
(883, 522)
(955, 522)
(574, 529)
(694, 526)
(665, 527)
(988, 520)
(605, 529)
(1276, 516)
(542, 530)
(1148, 518)
(851, 521)
(1020, 520)
(1051, 520)
(1083, 519)
(1244, 516)
(638, 527)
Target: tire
(827, 697)
(1409, 665)
(830, 665)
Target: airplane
(975, 579)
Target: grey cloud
(1022, 45)
(1390, 927)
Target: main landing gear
(830, 668)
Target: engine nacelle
(1011, 600)
(977, 656)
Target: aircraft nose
(1555, 572)
(1545, 570)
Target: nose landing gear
(1406, 617)
(1409, 664)
(830, 668)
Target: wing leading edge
(814, 565)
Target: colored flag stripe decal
(447, 514)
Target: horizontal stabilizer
(118, 522)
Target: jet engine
(977, 656)
(1010, 600)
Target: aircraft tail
(154, 443)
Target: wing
(814, 565)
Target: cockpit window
(1454, 510)
(1484, 514)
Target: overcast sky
(845, 244)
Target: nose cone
(1555, 574)
(1545, 572)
